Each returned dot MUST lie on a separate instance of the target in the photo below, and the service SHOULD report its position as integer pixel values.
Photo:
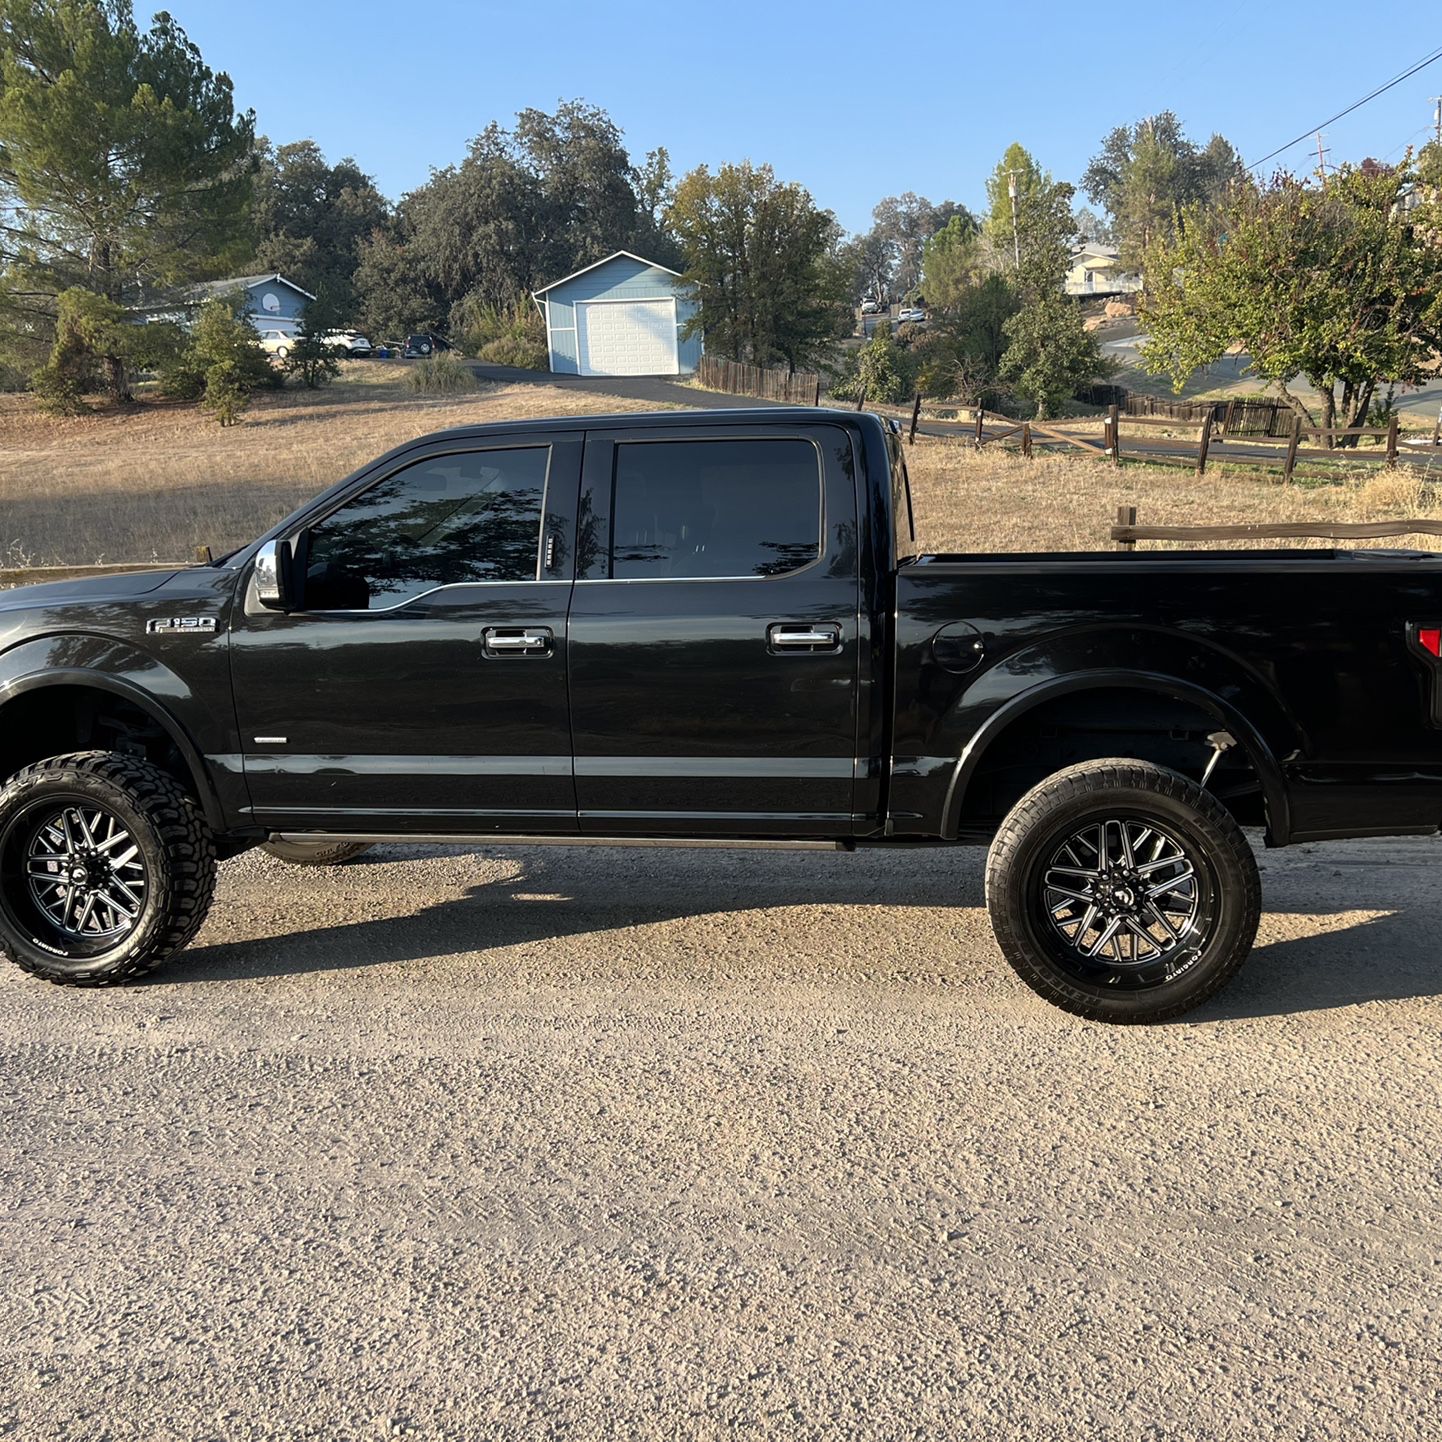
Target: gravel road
(684, 1144)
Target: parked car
(351, 341)
(276, 343)
(873, 307)
(791, 672)
(911, 315)
(424, 343)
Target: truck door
(419, 681)
(714, 632)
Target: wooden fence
(1126, 533)
(989, 429)
(802, 388)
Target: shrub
(441, 374)
(512, 350)
(883, 372)
(86, 325)
(512, 335)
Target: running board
(491, 838)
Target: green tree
(1015, 169)
(87, 327)
(902, 225)
(312, 358)
(395, 294)
(1334, 284)
(1145, 173)
(765, 265)
(1049, 351)
(311, 219)
(961, 353)
(220, 363)
(124, 168)
(954, 261)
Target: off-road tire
(315, 853)
(174, 843)
(1080, 796)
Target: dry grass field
(157, 480)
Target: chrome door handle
(801, 636)
(517, 641)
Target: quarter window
(692, 509)
(446, 521)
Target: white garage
(622, 316)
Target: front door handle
(804, 636)
(503, 641)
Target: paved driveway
(699, 1145)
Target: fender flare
(1259, 753)
(33, 681)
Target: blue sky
(854, 101)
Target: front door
(714, 632)
(419, 682)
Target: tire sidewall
(18, 805)
(1020, 928)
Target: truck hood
(114, 586)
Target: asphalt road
(696, 1144)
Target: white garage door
(627, 337)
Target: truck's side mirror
(272, 575)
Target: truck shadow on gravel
(871, 897)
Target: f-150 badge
(193, 625)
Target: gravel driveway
(684, 1144)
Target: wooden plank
(1392, 437)
(1026, 438)
(1125, 526)
(1291, 461)
(915, 418)
(1284, 531)
(1204, 440)
(1084, 443)
(1114, 438)
(1345, 430)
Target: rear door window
(715, 508)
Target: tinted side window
(715, 508)
(474, 516)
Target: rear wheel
(315, 853)
(1122, 891)
(106, 868)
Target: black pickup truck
(711, 628)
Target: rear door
(714, 632)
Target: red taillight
(1429, 638)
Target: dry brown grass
(997, 501)
(157, 480)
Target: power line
(1356, 105)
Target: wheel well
(54, 720)
(1109, 721)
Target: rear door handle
(506, 641)
(804, 636)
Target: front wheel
(107, 867)
(1122, 891)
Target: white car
(911, 315)
(350, 341)
(276, 343)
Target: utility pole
(1437, 116)
(1015, 233)
(1321, 161)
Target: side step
(491, 838)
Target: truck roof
(651, 420)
